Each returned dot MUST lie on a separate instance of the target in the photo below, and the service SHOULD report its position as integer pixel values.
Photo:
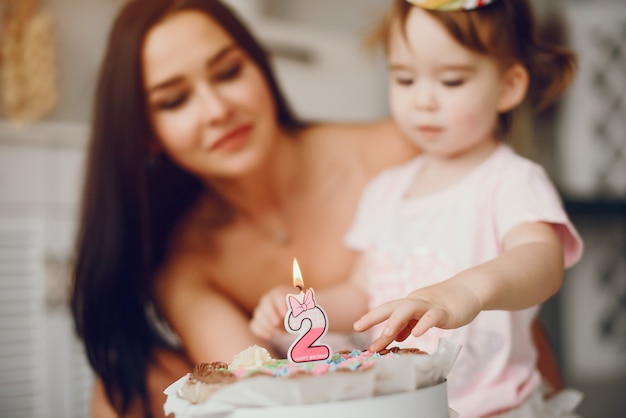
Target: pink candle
(307, 320)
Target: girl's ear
(515, 87)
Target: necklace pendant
(282, 237)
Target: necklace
(279, 235)
(282, 236)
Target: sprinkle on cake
(256, 360)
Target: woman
(201, 188)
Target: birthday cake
(395, 381)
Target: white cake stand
(430, 402)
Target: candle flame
(297, 276)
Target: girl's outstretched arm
(527, 273)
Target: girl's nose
(214, 107)
(424, 97)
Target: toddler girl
(468, 239)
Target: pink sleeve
(529, 196)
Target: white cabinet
(43, 372)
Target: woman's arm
(209, 323)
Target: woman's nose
(214, 107)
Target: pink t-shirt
(411, 243)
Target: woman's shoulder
(374, 145)
(360, 135)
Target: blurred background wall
(327, 74)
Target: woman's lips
(233, 140)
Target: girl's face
(209, 103)
(445, 97)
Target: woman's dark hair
(130, 209)
(506, 30)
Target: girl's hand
(269, 315)
(448, 305)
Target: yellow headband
(450, 5)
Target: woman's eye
(229, 73)
(453, 82)
(172, 103)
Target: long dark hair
(130, 207)
(506, 30)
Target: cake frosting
(207, 378)
(347, 360)
(253, 357)
(254, 381)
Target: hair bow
(298, 307)
(451, 5)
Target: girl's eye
(403, 81)
(453, 82)
(229, 73)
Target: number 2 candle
(305, 318)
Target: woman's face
(209, 103)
